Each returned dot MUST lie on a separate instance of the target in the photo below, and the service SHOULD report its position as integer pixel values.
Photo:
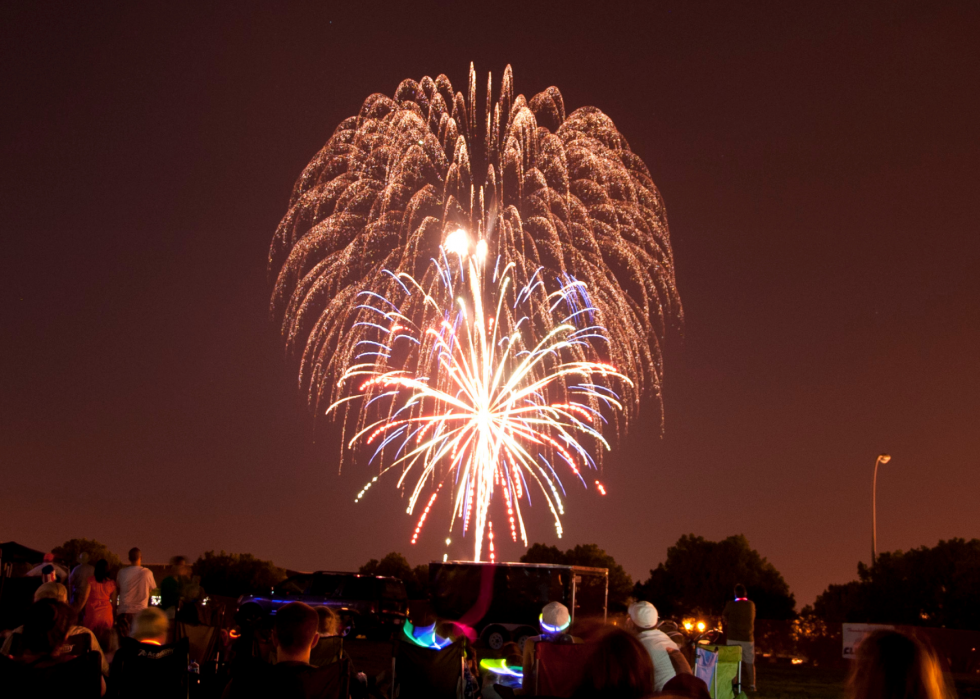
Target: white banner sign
(854, 633)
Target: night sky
(820, 171)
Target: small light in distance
(701, 626)
(602, 488)
(797, 661)
(688, 624)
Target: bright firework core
(484, 410)
(458, 242)
(475, 296)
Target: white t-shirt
(657, 644)
(135, 584)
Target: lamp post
(882, 459)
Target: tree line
(927, 586)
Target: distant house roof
(12, 552)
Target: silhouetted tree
(541, 553)
(927, 586)
(396, 565)
(620, 583)
(68, 552)
(234, 574)
(699, 575)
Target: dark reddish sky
(820, 169)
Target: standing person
(643, 619)
(172, 589)
(739, 618)
(100, 601)
(78, 583)
(135, 584)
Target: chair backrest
(79, 644)
(79, 677)
(293, 681)
(201, 639)
(147, 670)
(330, 681)
(560, 667)
(326, 651)
(424, 672)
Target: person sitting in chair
(666, 656)
(150, 626)
(330, 647)
(14, 643)
(553, 622)
(295, 634)
(44, 635)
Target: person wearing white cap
(553, 621)
(643, 618)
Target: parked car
(371, 605)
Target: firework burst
(406, 331)
(487, 405)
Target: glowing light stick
(425, 636)
(552, 630)
(500, 667)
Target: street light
(882, 459)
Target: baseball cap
(644, 615)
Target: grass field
(775, 681)
(779, 681)
(803, 681)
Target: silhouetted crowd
(96, 636)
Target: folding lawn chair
(424, 672)
(721, 669)
(559, 667)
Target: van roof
(354, 575)
(576, 569)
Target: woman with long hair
(101, 601)
(893, 665)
